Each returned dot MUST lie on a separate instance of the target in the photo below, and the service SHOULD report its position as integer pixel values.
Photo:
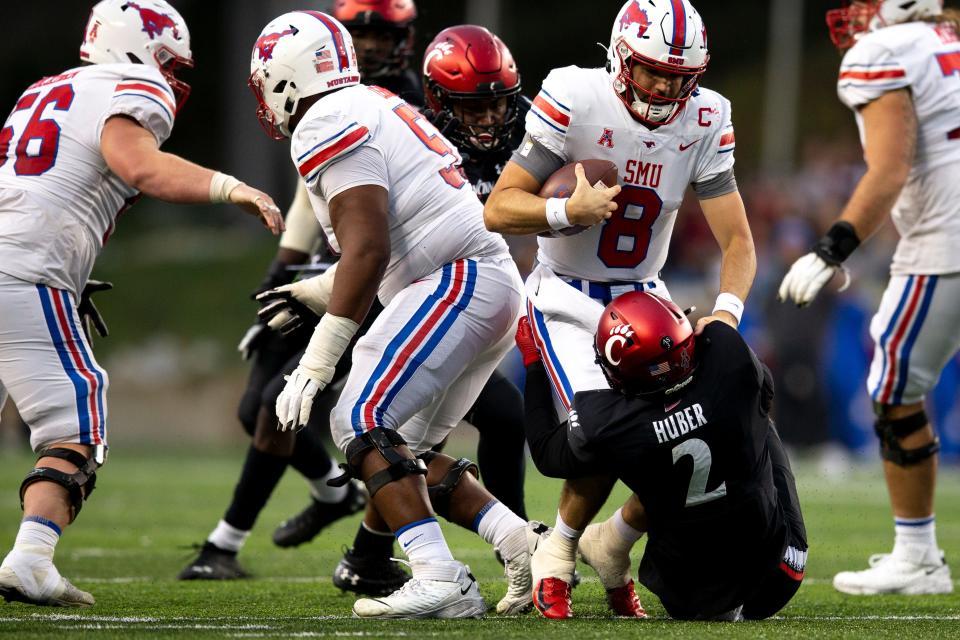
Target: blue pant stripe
(88, 361)
(885, 337)
(552, 354)
(388, 355)
(79, 384)
(911, 339)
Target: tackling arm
(132, 153)
(728, 221)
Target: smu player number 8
(626, 235)
(46, 130)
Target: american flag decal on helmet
(660, 369)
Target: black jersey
(484, 168)
(700, 466)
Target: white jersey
(364, 135)
(58, 199)
(578, 116)
(925, 58)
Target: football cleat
(909, 570)
(214, 563)
(519, 596)
(456, 597)
(551, 597)
(305, 526)
(611, 563)
(624, 602)
(38, 582)
(368, 576)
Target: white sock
(37, 535)
(565, 530)
(495, 523)
(423, 543)
(324, 493)
(915, 531)
(228, 537)
(624, 529)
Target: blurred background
(183, 275)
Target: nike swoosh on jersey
(684, 147)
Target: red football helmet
(645, 345)
(394, 17)
(466, 72)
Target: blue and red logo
(634, 15)
(154, 22)
(266, 43)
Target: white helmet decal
(618, 336)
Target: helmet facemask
(169, 63)
(277, 125)
(647, 106)
(857, 17)
(467, 132)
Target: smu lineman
(78, 149)
(386, 188)
(900, 79)
(664, 133)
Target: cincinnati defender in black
(686, 426)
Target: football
(563, 181)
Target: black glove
(282, 312)
(90, 318)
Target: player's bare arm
(515, 208)
(132, 153)
(890, 129)
(727, 218)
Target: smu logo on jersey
(266, 44)
(644, 174)
(154, 22)
(606, 139)
(634, 15)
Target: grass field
(134, 535)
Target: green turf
(134, 535)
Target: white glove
(250, 340)
(806, 277)
(296, 400)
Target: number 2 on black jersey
(699, 451)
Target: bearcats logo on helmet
(634, 15)
(266, 43)
(155, 22)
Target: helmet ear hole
(280, 86)
(134, 59)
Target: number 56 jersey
(58, 198)
(578, 116)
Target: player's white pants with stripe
(916, 331)
(427, 356)
(47, 366)
(564, 321)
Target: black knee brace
(79, 484)
(890, 431)
(385, 442)
(440, 493)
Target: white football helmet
(667, 37)
(144, 32)
(857, 17)
(299, 54)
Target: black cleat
(368, 576)
(214, 563)
(305, 526)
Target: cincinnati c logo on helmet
(266, 43)
(155, 22)
(442, 49)
(634, 15)
(618, 338)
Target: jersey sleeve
(868, 71)
(548, 119)
(323, 142)
(365, 166)
(716, 156)
(143, 95)
(734, 357)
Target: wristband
(557, 213)
(327, 344)
(221, 184)
(837, 244)
(729, 303)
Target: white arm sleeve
(303, 229)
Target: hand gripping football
(563, 182)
